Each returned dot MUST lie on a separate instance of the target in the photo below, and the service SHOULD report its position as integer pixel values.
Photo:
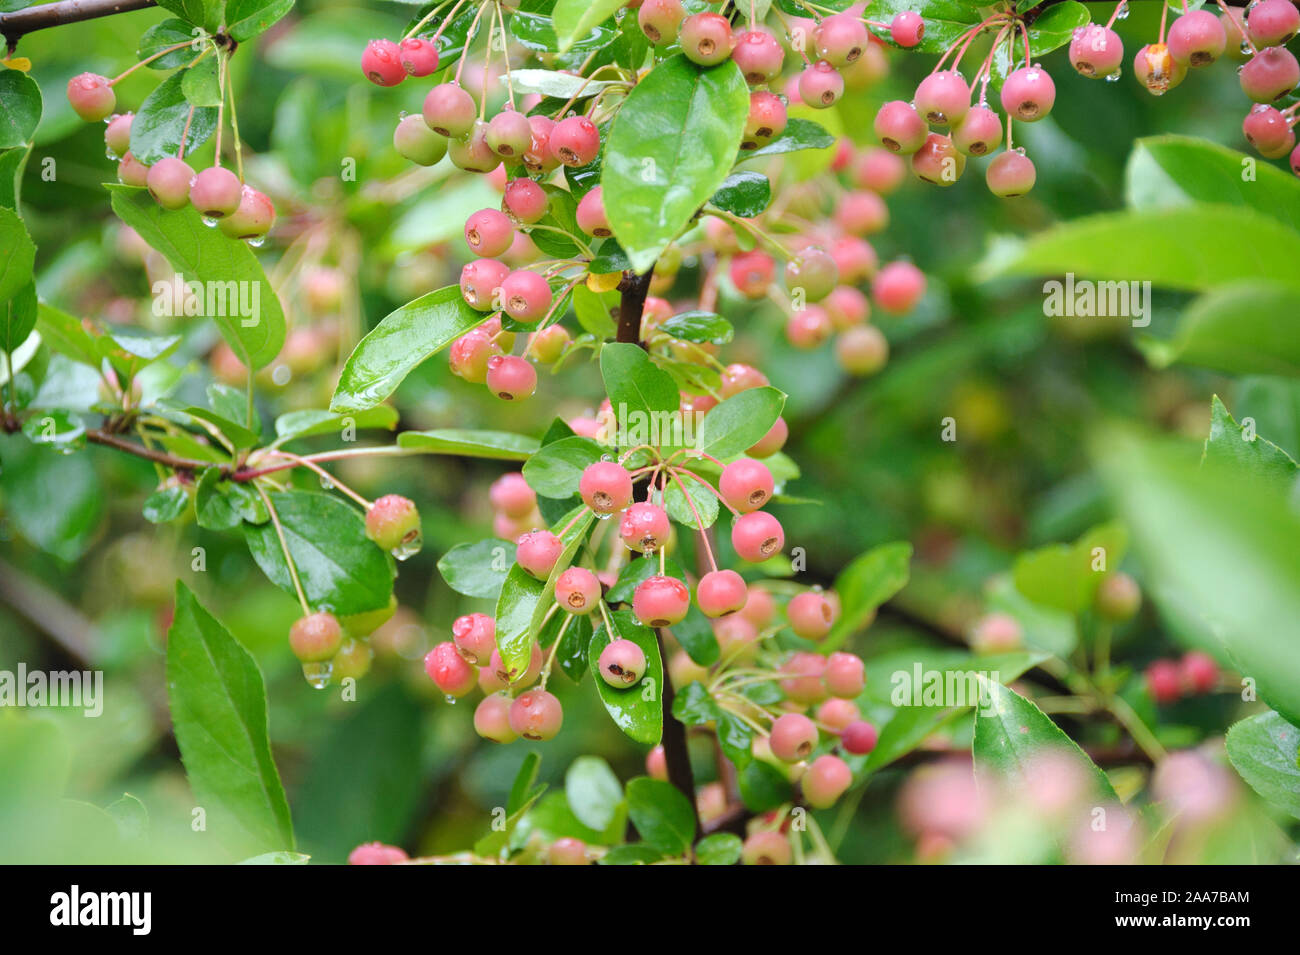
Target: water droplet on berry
(451, 700)
(1114, 77)
(411, 544)
(257, 241)
(318, 675)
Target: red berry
(91, 96)
(472, 153)
(900, 128)
(1096, 51)
(316, 637)
(382, 63)
(859, 738)
(510, 377)
(415, 141)
(820, 85)
(574, 141)
(1028, 94)
(1268, 130)
(644, 527)
(705, 38)
(758, 55)
(449, 110)
(376, 853)
(752, 273)
(590, 214)
(253, 219)
(1198, 38)
(525, 200)
(659, 19)
(938, 162)
(746, 484)
(489, 233)
(979, 133)
(169, 182)
(845, 675)
(1118, 597)
(997, 633)
(537, 552)
(1157, 70)
(525, 296)
(475, 636)
(1200, 672)
(622, 663)
(757, 536)
(898, 287)
(907, 28)
(771, 442)
(512, 677)
(793, 738)
(538, 158)
(1164, 681)
(1269, 22)
(606, 487)
(452, 673)
(848, 307)
(721, 592)
(418, 56)
(216, 192)
(1011, 174)
(479, 283)
(656, 764)
(767, 119)
(509, 133)
(660, 601)
(855, 259)
(492, 719)
(469, 355)
(738, 377)
(394, 523)
(943, 98)
(759, 608)
(810, 614)
(577, 590)
(826, 780)
(1270, 74)
(536, 715)
(862, 212)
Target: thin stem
(284, 546)
(145, 62)
(427, 17)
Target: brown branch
(635, 288)
(96, 436)
(22, 22)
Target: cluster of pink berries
(241, 211)
(1168, 681)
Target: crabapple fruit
(825, 781)
(252, 219)
(943, 98)
(376, 853)
(536, 715)
(746, 484)
(511, 676)
(841, 39)
(660, 19)
(511, 495)
(414, 140)
(1197, 38)
(469, 355)
(997, 633)
(898, 287)
(859, 737)
(590, 214)
(738, 377)
(91, 96)
(475, 636)
(644, 527)
(472, 153)
(418, 56)
(574, 141)
(1269, 22)
(537, 552)
(836, 713)
(525, 296)
(510, 377)
(766, 847)
(820, 85)
(393, 522)
(1028, 94)
(771, 442)
(656, 764)
(132, 172)
(1268, 130)
(577, 590)
(316, 637)
(660, 601)
(117, 134)
(1270, 74)
(979, 132)
(1118, 597)
(793, 738)
(900, 128)
(479, 282)
(567, 851)
(489, 233)
(169, 182)
(767, 119)
(758, 55)
(705, 38)
(509, 133)
(938, 161)
(454, 675)
(802, 680)
(907, 28)
(1011, 174)
(216, 192)
(381, 61)
(1164, 681)
(606, 487)
(721, 592)
(814, 271)
(525, 200)
(810, 614)
(862, 350)
(449, 110)
(1199, 671)
(847, 306)
(757, 536)
(1157, 70)
(752, 273)
(759, 607)
(547, 345)
(492, 719)
(1096, 51)
(622, 663)
(845, 675)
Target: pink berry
(504, 677)
(757, 536)
(898, 287)
(511, 378)
(771, 442)
(855, 259)
(1198, 38)
(492, 719)
(577, 590)
(1270, 74)
(216, 192)
(766, 847)
(1268, 130)
(862, 350)
(737, 639)
(449, 110)
(767, 119)
(938, 162)
(758, 55)
(752, 273)
(793, 738)
(644, 527)
(415, 141)
(509, 133)
(469, 355)
(536, 715)
(393, 523)
(907, 28)
(943, 98)
(879, 170)
(1269, 22)
(548, 345)
(253, 219)
(738, 377)
(859, 738)
(489, 233)
(1200, 672)
(479, 282)
(660, 601)
(814, 271)
(537, 552)
(826, 780)
(848, 307)
(746, 484)
(841, 39)
(1157, 70)
(382, 63)
(1118, 597)
(452, 673)
(809, 328)
(979, 133)
(91, 96)
(472, 153)
(525, 200)
(721, 592)
(1096, 51)
(836, 713)
(574, 141)
(845, 675)
(705, 38)
(606, 487)
(1011, 174)
(567, 851)
(862, 212)
(117, 134)
(169, 182)
(132, 172)
(900, 128)
(418, 56)
(759, 607)
(660, 19)
(1164, 681)
(590, 214)
(622, 663)
(1028, 94)
(820, 85)
(997, 633)
(538, 158)
(316, 637)
(525, 296)
(802, 681)
(475, 636)
(810, 614)
(511, 495)
(376, 853)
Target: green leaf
(555, 469)
(799, 134)
(639, 392)
(308, 423)
(402, 340)
(166, 504)
(593, 791)
(1232, 447)
(670, 148)
(57, 429)
(201, 13)
(165, 117)
(595, 311)
(221, 505)
(696, 501)
(54, 501)
(867, 582)
(65, 334)
(500, 445)
(1045, 629)
(478, 569)
(341, 570)
(703, 327)
(1194, 248)
(556, 84)
(17, 320)
(721, 848)
(277, 858)
(573, 20)
(245, 19)
(524, 783)
(206, 256)
(739, 422)
(1066, 576)
(745, 194)
(636, 853)
(663, 816)
(1010, 732)
(20, 108)
(200, 86)
(638, 709)
(164, 34)
(1243, 328)
(17, 256)
(218, 710)
(945, 21)
(1263, 749)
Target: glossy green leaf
(17, 320)
(245, 19)
(166, 118)
(1263, 749)
(218, 711)
(593, 791)
(20, 108)
(206, 256)
(500, 445)
(745, 194)
(636, 710)
(574, 19)
(1066, 576)
(721, 848)
(402, 340)
(639, 392)
(1231, 446)
(56, 429)
(702, 327)
(663, 817)
(164, 34)
(66, 334)
(17, 255)
(739, 422)
(478, 569)
(166, 504)
(554, 470)
(311, 422)
(1243, 328)
(867, 582)
(341, 570)
(670, 148)
(800, 134)
(691, 503)
(554, 83)
(636, 853)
